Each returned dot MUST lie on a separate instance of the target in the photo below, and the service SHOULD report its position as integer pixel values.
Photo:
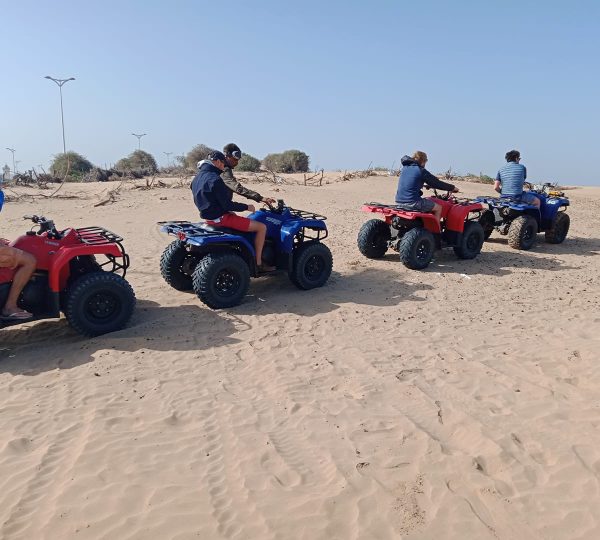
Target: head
(513, 155)
(217, 159)
(233, 154)
(420, 158)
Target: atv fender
(290, 230)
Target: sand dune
(457, 402)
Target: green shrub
(196, 154)
(248, 163)
(75, 163)
(137, 161)
(290, 161)
(486, 179)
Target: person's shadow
(55, 345)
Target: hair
(512, 155)
(228, 149)
(419, 156)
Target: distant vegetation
(248, 163)
(137, 161)
(196, 154)
(290, 161)
(73, 163)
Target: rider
(412, 178)
(214, 200)
(233, 154)
(510, 179)
(23, 265)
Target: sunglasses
(236, 154)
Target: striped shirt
(511, 177)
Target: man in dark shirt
(214, 201)
(233, 154)
(412, 178)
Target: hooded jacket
(211, 196)
(232, 183)
(411, 181)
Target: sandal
(265, 269)
(17, 316)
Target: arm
(435, 182)
(232, 183)
(498, 183)
(222, 196)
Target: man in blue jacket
(413, 177)
(214, 201)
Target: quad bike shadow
(367, 287)
(153, 328)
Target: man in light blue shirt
(510, 180)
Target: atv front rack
(305, 214)
(99, 236)
(96, 236)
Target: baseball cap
(215, 155)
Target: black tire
(221, 280)
(559, 230)
(99, 303)
(471, 241)
(373, 238)
(416, 248)
(311, 266)
(522, 232)
(487, 221)
(177, 266)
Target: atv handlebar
(45, 225)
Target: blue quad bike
(521, 222)
(217, 262)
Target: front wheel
(99, 303)
(559, 230)
(373, 238)
(471, 241)
(312, 266)
(416, 248)
(221, 280)
(521, 233)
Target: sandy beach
(457, 402)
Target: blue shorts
(422, 205)
(525, 198)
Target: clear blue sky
(348, 82)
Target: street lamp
(13, 153)
(17, 162)
(139, 137)
(168, 154)
(60, 83)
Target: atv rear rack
(188, 228)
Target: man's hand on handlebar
(251, 208)
(268, 201)
(455, 190)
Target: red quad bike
(77, 273)
(416, 235)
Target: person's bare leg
(259, 241)
(437, 212)
(25, 269)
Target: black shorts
(422, 205)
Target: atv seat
(227, 230)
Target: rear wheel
(312, 266)
(221, 280)
(373, 238)
(177, 266)
(487, 223)
(416, 248)
(521, 233)
(99, 303)
(559, 230)
(471, 241)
